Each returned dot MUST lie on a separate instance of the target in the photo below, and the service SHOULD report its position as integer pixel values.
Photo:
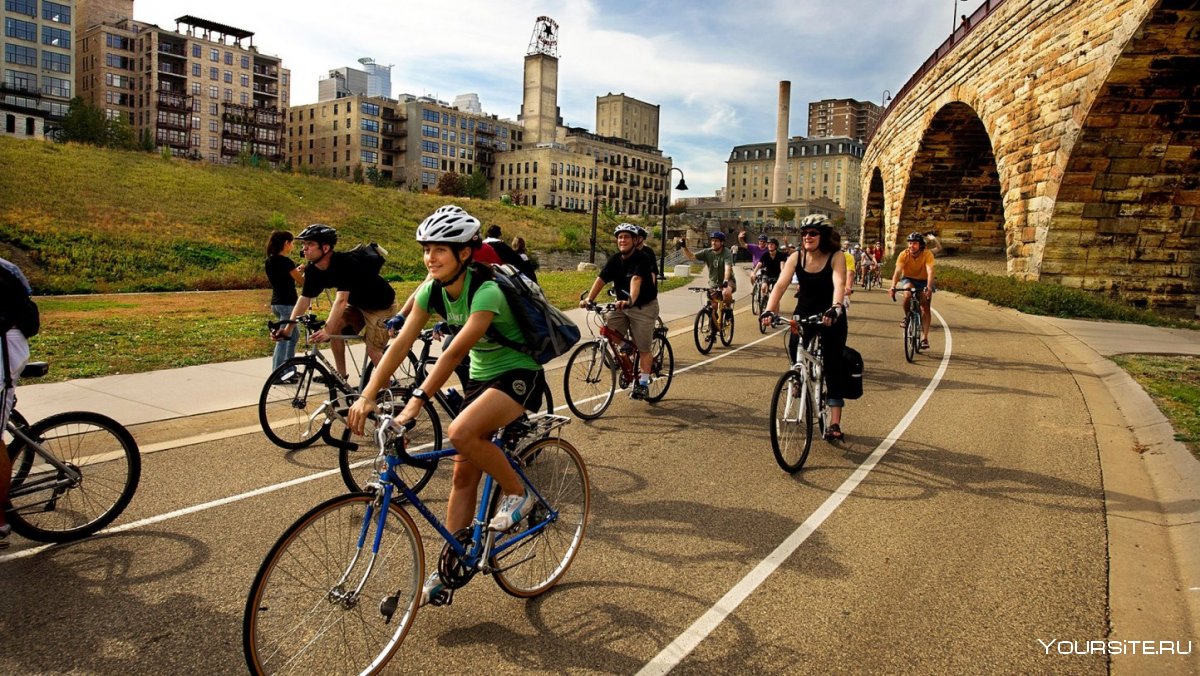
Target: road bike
(798, 402)
(714, 319)
(290, 406)
(912, 324)
(596, 367)
(759, 297)
(72, 473)
(870, 278)
(355, 469)
(339, 590)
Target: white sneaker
(433, 587)
(512, 509)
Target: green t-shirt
(716, 264)
(488, 359)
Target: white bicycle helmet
(627, 227)
(816, 221)
(448, 225)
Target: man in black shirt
(632, 275)
(364, 299)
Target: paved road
(961, 528)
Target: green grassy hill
(80, 219)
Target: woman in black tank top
(821, 269)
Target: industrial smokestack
(779, 182)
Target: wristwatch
(420, 394)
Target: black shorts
(524, 386)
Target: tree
(84, 123)
(679, 207)
(476, 185)
(784, 214)
(450, 184)
(359, 174)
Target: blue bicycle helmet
(717, 235)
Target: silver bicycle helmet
(816, 221)
(448, 225)
(627, 227)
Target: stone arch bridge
(1059, 136)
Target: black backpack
(546, 331)
(18, 309)
(370, 256)
(853, 387)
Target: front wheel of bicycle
(663, 365)
(590, 380)
(727, 328)
(703, 331)
(358, 466)
(50, 504)
(756, 299)
(791, 421)
(303, 616)
(912, 336)
(534, 565)
(290, 399)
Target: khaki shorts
(638, 322)
(370, 323)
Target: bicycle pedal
(443, 598)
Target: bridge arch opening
(1126, 219)
(873, 218)
(954, 187)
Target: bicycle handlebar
(385, 436)
(593, 306)
(309, 321)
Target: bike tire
(791, 421)
(911, 329)
(357, 466)
(590, 380)
(727, 328)
(292, 622)
(663, 365)
(756, 299)
(702, 332)
(43, 506)
(556, 469)
(405, 375)
(287, 406)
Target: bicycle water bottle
(454, 399)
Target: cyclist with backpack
(364, 299)
(19, 321)
(632, 275)
(504, 381)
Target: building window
(212, 108)
(196, 51)
(22, 56)
(214, 73)
(213, 92)
(229, 77)
(245, 61)
(214, 55)
(369, 157)
(245, 80)
(22, 30)
(26, 7)
(58, 13)
(370, 125)
(54, 86)
(197, 71)
(430, 115)
(370, 109)
(370, 141)
(228, 58)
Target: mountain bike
(912, 324)
(714, 319)
(72, 473)
(798, 400)
(354, 467)
(339, 590)
(595, 367)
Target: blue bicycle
(339, 590)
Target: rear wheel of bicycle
(358, 466)
(287, 407)
(405, 375)
(46, 503)
(791, 421)
(912, 334)
(703, 331)
(663, 365)
(590, 380)
(727, 327)
(555, 468)
(756, 299)
(302, 615)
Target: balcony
(266, 71)
(170, 50)
(172, 100)
(176, 122)
(168, 69)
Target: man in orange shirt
(914, 273)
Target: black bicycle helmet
(319, 233)
(915, 237)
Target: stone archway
(954, 187)
(873, 229)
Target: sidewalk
(155, 396)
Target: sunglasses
(810, 233)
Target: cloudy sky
(712, 65)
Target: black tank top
(816, 288)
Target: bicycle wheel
(663, 364)
(358, 466)
(727, 328)
(916, 337)
(912, 334)
(287, 407)
(756, 299)
(590, 380)
(556, 469)
(48, 505)
(791, 421)
(405, 375)
(702, 332)
(302, 615)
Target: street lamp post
(662, 254)
(885, 98)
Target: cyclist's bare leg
(835, 415)
(471, 435)
(646, 362)
(904, 305)
(925, 298)
(727, 295)
(338, 346)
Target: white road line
(686, 642)
(24, 553)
